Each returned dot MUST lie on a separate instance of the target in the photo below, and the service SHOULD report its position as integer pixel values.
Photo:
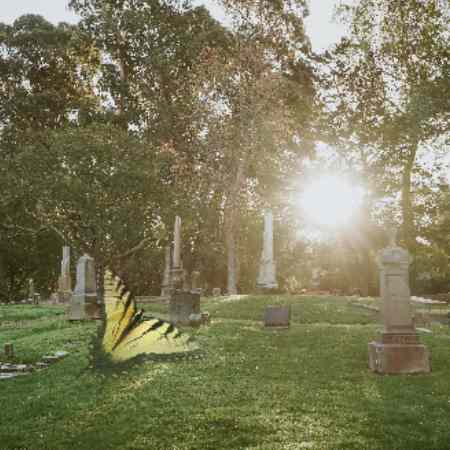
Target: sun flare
(331, 201)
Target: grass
(303, 388)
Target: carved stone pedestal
(182, 306)
(398, 354)
(84, 307)
(399, 350)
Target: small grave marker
(277, 316)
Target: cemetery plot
(306, 387)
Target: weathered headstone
(216, 292)
(166, 284)
(64, 282)
(182, 306)
(183, 303)
(399, 350)
(277, 317)
(267, 271)
(84, 305)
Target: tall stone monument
(84, 304)
(398, 350)
(166, 283)
(176, 272)
(31, 293)
(64, 282)
(183, 303)
(267, 270)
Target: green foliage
(45, 74)
(150, 109)
(383, 107)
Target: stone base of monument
(182, 306)
(84, 307)
(277, 317)
(399, 354)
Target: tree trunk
(408, 227)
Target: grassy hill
(303, 388)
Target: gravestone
(277, 317)
(31, 293)
(267, 277)
(64, 281)
(166, 284)
(183, 303)
(216, 292)
(84, 305)
(182, 306)
(398, 350)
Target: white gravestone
(267, 269)
(31, 293)
(84, 305)
(65, 282)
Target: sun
(331, 201)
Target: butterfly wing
(126, 333)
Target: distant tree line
(150, 109)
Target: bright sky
(319, 25)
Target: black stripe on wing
(158, 324)
(134, 322)
(129, 303)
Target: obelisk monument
(65, 283)
(267, 269)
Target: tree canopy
(149, 109)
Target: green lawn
(303, 388)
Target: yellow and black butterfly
(128, 334)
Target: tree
(384, 87)
(46, 82)
(46, 74)
(264, 94)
